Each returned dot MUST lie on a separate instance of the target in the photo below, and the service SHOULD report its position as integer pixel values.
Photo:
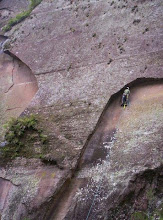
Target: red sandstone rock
(69, 47)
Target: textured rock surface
(9, 9)
(70, 48)
(25, 185)
(18, 85)
(81, 53)
(122, 162)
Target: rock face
(9, 9)
(129, 179)
(81, 53)
(18, 85)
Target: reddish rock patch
(18, 85)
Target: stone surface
(119, 185)
(25, 185)
(18, 85)
(81, 53)
(9, 9)
(75, 69)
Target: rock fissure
(8, 180)
(9, 109)
(12, 78)
(102, 62)
(6, 9)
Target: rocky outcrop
(80, 50)
(81, 53)
(18, 85)
(120, 172)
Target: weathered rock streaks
(118, 185)
(81, 53)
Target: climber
(125, 97)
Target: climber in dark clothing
(125, 97)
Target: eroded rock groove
(98, 159)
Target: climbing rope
(93, 201)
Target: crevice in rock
(98, 63)
(6, 9)
(4, 179)
(9, 109)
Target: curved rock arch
(134, 85)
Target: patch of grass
(13, 21)
(22, 135)
(139, 216)
(34, 3)
(150, 194)
(43, 138)
(21, 16)
(158, 214)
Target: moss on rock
(21, 16)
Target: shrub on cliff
(24, 138)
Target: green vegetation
(21, 16)
(24, 138)
(7, 45)
(34, 3)
(139, 216)
(157, 214)
(150, 194)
